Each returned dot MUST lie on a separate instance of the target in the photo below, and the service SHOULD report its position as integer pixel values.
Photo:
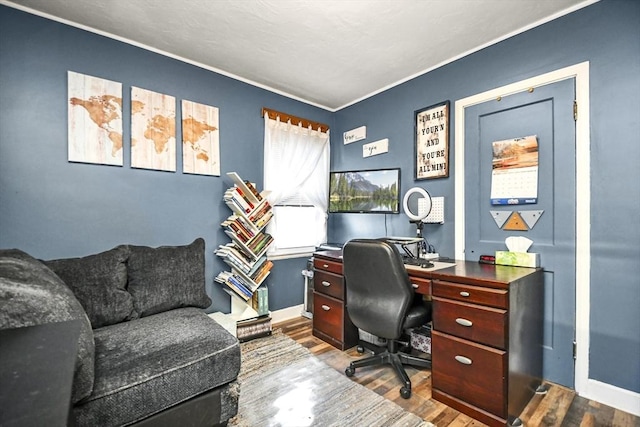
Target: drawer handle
(415, 285)
(464, 293)
(326, 307)
(464, 360)
(325, 283)
(464, 322)
(325, 265)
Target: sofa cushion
(31, 294)
(167, 277)
(99, 282)
(147, 365)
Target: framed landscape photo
(432, 141)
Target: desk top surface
(461, 271)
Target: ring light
(424, 199)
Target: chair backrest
(379, 292)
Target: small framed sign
(432, 141)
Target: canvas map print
(95, 120)
(200, 139)
(153, 130)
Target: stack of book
(237, 284)
(259, 243)
(256, 271)
(241, 227)
(253, 328)
(262, 215)
(235, 258)
(253, 190)
(238, 201)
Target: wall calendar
(514, 175)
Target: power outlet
(436, 216)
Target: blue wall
(608, 35)
(52, 208)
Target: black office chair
(380, 300)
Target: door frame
(580, 72)
(608, 394)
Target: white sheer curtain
(296, 172)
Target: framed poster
(432, 141)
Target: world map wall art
(153, 130)
(200, 139)
(95, 128)
(95, 120)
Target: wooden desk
(487, 331)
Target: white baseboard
(616, 397)
(287, 313)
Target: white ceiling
(328, 53)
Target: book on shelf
(239, 283)
(231, 290)
(259, 241)
(261, 211)
(240, 227)
(259, 264)
(236, 257)
(260, 300)
(236, 204)
(263, 272)
(253, 190)
(264, 220)
(245, 198)
(235, 285)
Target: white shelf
(241, 308)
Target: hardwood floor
(560, 406)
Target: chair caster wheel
(349, 371)
(360, 349)
(405, 392)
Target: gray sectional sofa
(147, 352)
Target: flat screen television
(365, 191)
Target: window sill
(300, 253)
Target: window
(296, 173)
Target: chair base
(396, 359)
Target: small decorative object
(516, 220)
(153, 130)
(377, 147)
(517, 254)
(354, 135)
(432, 142)
(95, 120)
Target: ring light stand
(421, 211)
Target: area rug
(283, 384)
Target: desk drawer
(471, 372)
(328, 316)
(328, 283)
(485, 325)
(421, 286)
(323, 264)
(469, 293)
